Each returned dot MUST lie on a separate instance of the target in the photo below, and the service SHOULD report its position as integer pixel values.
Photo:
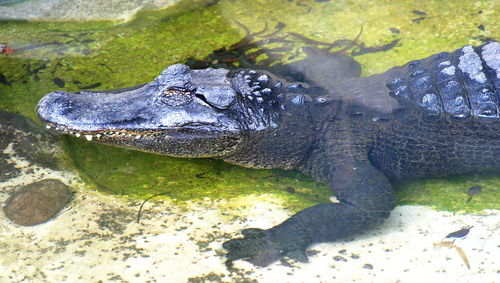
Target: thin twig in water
(146, 200)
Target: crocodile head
(183, 113)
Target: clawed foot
(260, 248)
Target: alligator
(431, 117)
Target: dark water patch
(418, 12)
(59, 82)
(4, 80)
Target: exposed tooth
(98, 135)
(88, 137)
(77, 135)
(47, 126)
(138, 136)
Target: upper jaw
(78, 114)
(137, 114)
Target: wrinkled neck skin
(303, 115)
(302, 123)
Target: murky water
(41, 57)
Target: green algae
(105, 54)
(139, 174)
(451, 193)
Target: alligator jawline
(184, 131)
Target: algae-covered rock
(37, 202)
(22, 139)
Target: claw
(256, 247)
(229, 244)
(298, 255)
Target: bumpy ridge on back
(259, 96)
(461, 84)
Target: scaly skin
(432, 117)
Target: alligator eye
(202, 98)
(174, 97)
(220, 98)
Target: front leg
(365, 198)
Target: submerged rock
(37, 202)
(77, 9)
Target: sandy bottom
(98, 238)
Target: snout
(53, 107)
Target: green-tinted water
(72, 56)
